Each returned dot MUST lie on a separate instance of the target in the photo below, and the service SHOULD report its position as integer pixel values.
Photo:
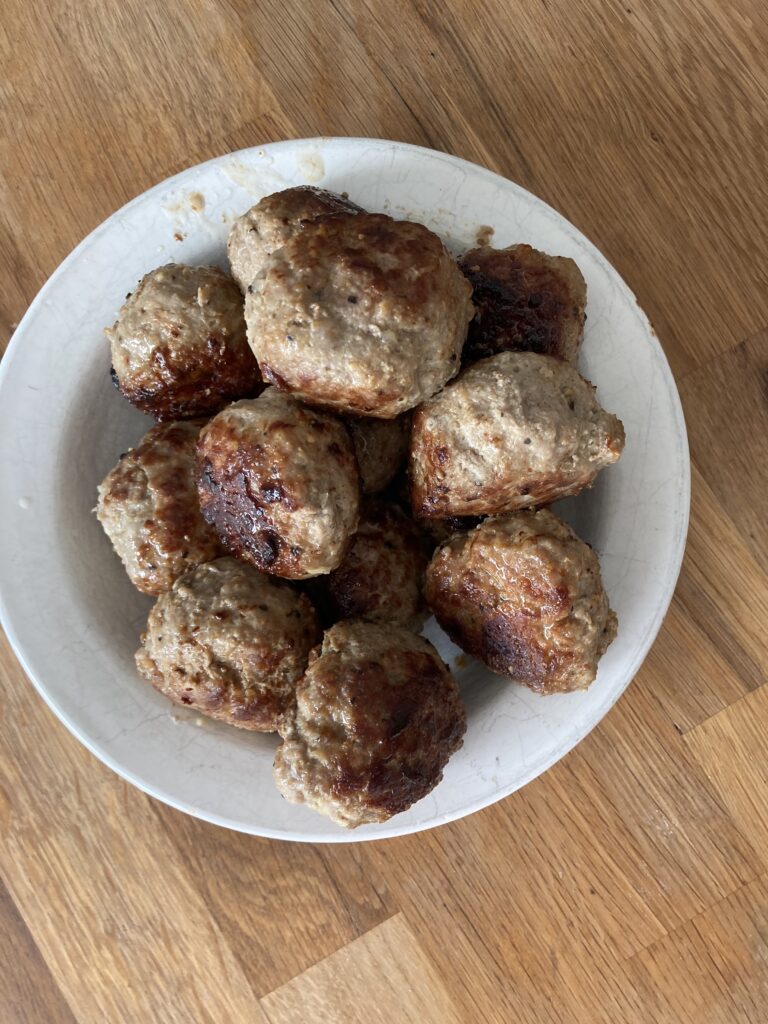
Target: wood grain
(360, 983)
(629, 883)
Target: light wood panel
(732, 750)
(628, 884)
(721, 954)
(381, 977)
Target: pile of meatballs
(355, 430)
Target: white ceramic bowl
(74, 619)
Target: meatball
(382, 573)
(179, 348)
(380, 447)
(273, 221)
(516, 430)
(377, 717)
(361, 313)
(525, 301)
(229, 642)
(149, 509)
(279, 483)
(524, 595)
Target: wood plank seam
(718, 356)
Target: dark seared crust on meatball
(382, 574)
(149, 509)
(377, 717)
(437, 531)
(361, 313)
(231, 643)
(179, 348)
(381, 447)
(275, 219)
(525, 301)
(525, 596)
(516, 430)
(279, 483)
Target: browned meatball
(525, 301)
(149, 509)
(377, 717)
(523, 594)
(380, 447)
(229, 642)
(516, 430)
(279, 483)
(381, 577)
(273, 221)
(361, 313)
(179, 348)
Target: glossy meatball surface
(361, 313)
(279, 483)
(382, 574)
(377, 717)
(516, 430)
(149, 509)
(230, 642)
(525, 301)
(525, 596)
(273, 221)
(178, 346)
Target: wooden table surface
(629, 884)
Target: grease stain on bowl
(257, 179)
(311, 167)
(190, 201)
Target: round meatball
(524, 595)
(377, 717)
(361, 313)
(279, 483)
(382, 573)
(516, 430)
(524, 301)
(273, 221)
(179, 348)
(229, 642)
(149, 509)
(380, 447)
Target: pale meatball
(381, 576)
(273, 221)
(230, 643)
(525, 596)
(377, 717)
(279, 483)
(149, 509)
(516, 430)
(380, 447)
(179, 348)
(361, 313)
(525, 301)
